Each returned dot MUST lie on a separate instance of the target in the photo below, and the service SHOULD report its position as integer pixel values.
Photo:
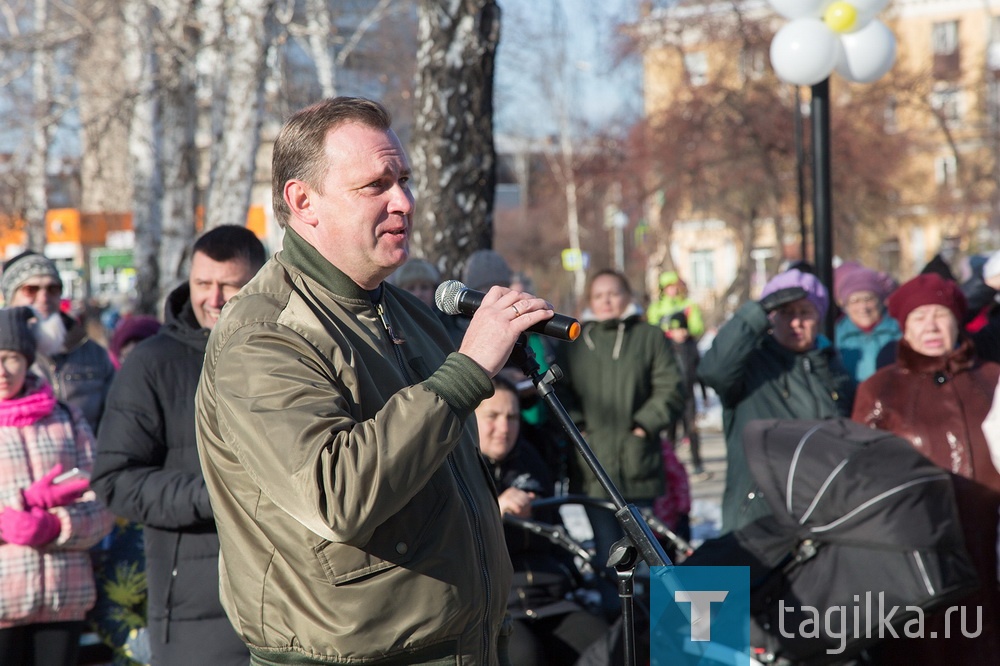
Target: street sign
(575, 260)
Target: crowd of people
(305, 461)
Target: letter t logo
(701, 609)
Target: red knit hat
(927, 289)
(132, 328)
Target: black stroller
(861, 521)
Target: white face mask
(51, 334)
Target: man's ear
(299, 200)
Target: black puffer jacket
(148, 471)
(80, 374)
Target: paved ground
(706, 494)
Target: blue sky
(552, 50)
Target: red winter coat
(939, 405)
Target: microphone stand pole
(638, 542)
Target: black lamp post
(822, 201)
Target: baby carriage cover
(862, 524)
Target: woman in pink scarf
(47, 521)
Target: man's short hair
(299, 149)
(228, 242)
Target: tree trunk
(454, 160)
(249, 38)
(211, 85)
(147, 181)
(178, 153)
(318, 29)
(36, 185)
(572, 208)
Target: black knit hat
(16, 333)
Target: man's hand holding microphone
(499, 317)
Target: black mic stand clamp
(638, 542)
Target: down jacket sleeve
(724, 366)
(141, 472)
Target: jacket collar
(819, 349)
(180, 322)
(632, 312)
(303, 256)
(76, 333)
(961, 358)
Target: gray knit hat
(16, 333)
(485, 269)
(413, 271)
(18, 270)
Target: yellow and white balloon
(826, 35)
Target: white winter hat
(991, 268)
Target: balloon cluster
(823, 35)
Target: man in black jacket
(147, 467)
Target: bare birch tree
(184, 103)
(177, 46)
(319, 28)
(321, 39)
(36, 201)
(147, 179)
(35, 36)
(545, 62)
(454, 159)
(232, 174)
(192, 65)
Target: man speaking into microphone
(335, 427)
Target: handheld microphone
(454, 298)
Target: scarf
(24, 411)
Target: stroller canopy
(858, 515)
(837, 480)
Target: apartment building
(940, 103)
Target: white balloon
(793, 9)
(804, 51)
(866, 55)
(867, 10)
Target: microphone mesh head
(446, 296)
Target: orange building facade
(93, 250)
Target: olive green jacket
(621, 373)
(357, 521)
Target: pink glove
(45, 494)
(36, 527)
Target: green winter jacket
(620, 374)
(661, 310)
(757, 378)
(358, 523)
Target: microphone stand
(638, 542)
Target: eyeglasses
(31, 290)
(862, 298)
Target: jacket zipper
(395, 342)
(481, 547)
(463, 488)
(169, 600)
